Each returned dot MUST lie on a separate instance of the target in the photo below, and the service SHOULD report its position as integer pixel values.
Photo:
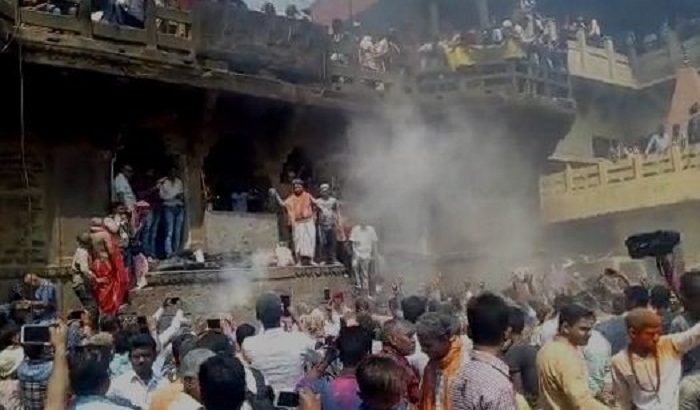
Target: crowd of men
(662, 139)
(471, 349)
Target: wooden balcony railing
(221, 38)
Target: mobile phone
(75, 315)
(35, 335)
(214, 324)
(326, 295)
(141, 320)
(288, 399)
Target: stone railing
(600, 64)
(633, 69)
(217, 44)
(608, 187)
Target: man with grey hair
(277, 354)
(190, 397)
(328, 219)
(438, 334)
(399, 342)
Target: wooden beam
(170, 14)
(150, 25)
(54, 21)
(85, 17)
(119, 33)
(168, 41)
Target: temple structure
(231, 86)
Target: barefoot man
(300, 214)
(108, 268)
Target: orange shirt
(164, 396)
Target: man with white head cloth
(328, 219)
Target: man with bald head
(647, 373)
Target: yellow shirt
(563, 382)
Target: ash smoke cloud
(453, 190)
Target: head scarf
(10, 359)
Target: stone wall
(239, 232)
(23, 217)
(212, 292)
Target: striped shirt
(483, 383)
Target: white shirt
(129, 390)
(123, 191)
(545, 332)
(279, 356)
(418, 360)
(363, 239)
(170, 192)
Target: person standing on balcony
(694, 124)
(172, 195)
(122, 191)
(659, 142)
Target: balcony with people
(227, 46)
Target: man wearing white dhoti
(300, 215)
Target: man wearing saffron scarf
(647, 374)
(300, 215)
(108, 268)
(438, 334)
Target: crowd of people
(661, 140)
(471, 349)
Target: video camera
(652, 244)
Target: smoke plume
(449, 193)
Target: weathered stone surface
(210, 292)
(239, 232)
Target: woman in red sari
(110, 286)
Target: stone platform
(220, 290)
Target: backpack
(263, 400)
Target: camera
(652, 244)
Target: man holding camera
(36, 297)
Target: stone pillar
(197, 149)
(674, 49)
(482, 8)
(434, 18)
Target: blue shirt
(93, 403)
(46, 293)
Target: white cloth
(80, 265)
(658, 144)
(418, 360)
(546, 331)
(279, 356)
(363, 239)
(129, 390)
(122, 191)
(171, 191)
(305, 238)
